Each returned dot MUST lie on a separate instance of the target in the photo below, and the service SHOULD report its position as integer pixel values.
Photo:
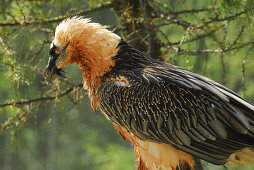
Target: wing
(165, 103)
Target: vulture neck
(95, 59)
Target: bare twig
(243, 69)
(239, 35)
(222, 55)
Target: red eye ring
(57, 51)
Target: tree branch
(153, 41)
(243, 70)
(189, 11)
(197, 52)
(58, 19)
(229, 18)
(29, 101)
(185, 11)
(186, 24)
(186, 41)
(182, 23)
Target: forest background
(52, 126)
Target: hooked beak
(50, 69)
(54, 61)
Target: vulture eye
(57, 51)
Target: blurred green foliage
(42, 127)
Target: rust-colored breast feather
(169, 113)
(151, 155)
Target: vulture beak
(50, 69)
(56, 59)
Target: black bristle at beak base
(60, 72)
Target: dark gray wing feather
(168, 104)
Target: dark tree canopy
(52, 126)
